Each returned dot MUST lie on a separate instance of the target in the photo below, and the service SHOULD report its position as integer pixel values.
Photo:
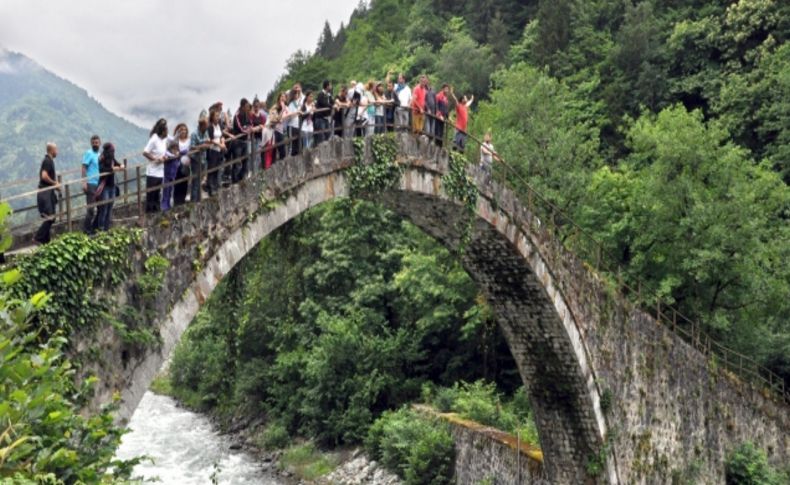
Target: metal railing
(571, 235)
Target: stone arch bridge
(606, 380)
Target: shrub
(748, 465)
(417, 448)
(275, 437)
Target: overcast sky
(146, 58)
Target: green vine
(382, 173)
(460, 186)
(154, 277)
(70, 269)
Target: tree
(543, 131)
(325, 42)
(498, 37)
(465, 64)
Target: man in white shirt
(403, 91)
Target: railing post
(658, 309)
(68, 206)
(60, 200)
(139, 193)
(125, 182)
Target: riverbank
(297, 461)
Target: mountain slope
(37, 106)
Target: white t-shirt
(487, 154)
(184, 145)
(156, 147)
(217, 132)
(404, 95)
(293, 107)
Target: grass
(307, 462)
(161, 385)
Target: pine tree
(498, 37)
(326, 41)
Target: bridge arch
(502, 257)
(608, 383)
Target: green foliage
(306, 461)
(382, 173)
(274, 437)
(71, 269)
(417, 448)
(460, 186)
(481, 402)
(340, 315)
(154, 276)
(44, 437)
(747, 465)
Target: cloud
(144, 57)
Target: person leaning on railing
(156, 154)
(201, 142)
(442, 113)
(47, 200)
(107, 190)
(215, 152)
(323, 115)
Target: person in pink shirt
(461, 119)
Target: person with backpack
(323, 113)
(242, 128)
(214, 155)
(200, 141)
(107, 189)
(393, 103)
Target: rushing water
(184, 447)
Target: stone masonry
(668, 413)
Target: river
(185, 447)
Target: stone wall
(667, 411)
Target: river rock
(360, 471)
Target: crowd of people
(183, 166)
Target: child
(487, 154)
(172, 162)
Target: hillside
(37, 106)
(661, 128)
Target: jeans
(438, 131)
(307, 140)
(279, 141)
(240, 149)
(370, 129)
(182, 187)
(152, 194)
(321, 125)
(104, 216)
(171, 172)
(429, 125)
(460, 140)
(197, 175)
(47, 201)
(213, 161)
(379, 124)
(90, 213)
(402, 118)
(293, 134)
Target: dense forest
(662, 128)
